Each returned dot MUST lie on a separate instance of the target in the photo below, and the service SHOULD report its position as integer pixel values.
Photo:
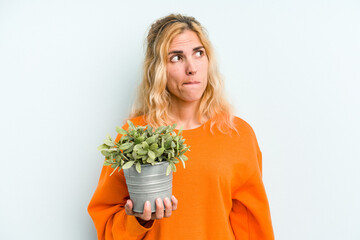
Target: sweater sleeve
(250, 215)
(107, 210)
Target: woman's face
(186, 68)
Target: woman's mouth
(191, 83)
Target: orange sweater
(220, 193)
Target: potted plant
(148, 157)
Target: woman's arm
(111, 208)
(107, 209)
(250, 215)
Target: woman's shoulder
(243, 128)
(242, 124)
(137, 121)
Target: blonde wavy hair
(153, 99)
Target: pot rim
(150, 165)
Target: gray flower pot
(150, 184)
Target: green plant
(144, 145)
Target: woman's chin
(191, 99)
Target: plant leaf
(183, 163)
(173, 167)
(121, 131)
(124, 138)
(149, 129)
(102, 147)
(123, 156)
(109, 143)
(160, 129)
(151, 139)
(160, 151)
(108, 137)
(151, 154)
(125, 146)
(131, 125)
(150, 160)
(137, 147)
(107, 163)
(186, 149)
(132, 133)
(154, 146)
(171, 128)
(110, 150)
(139, 139)
(142, 151)
(168, 142)
(168, 170)
(114, 170)
(128, 165)
(183, 157)
(138, 167)
(180, 130)
(129, 150)
(105, 153)
(145, 145)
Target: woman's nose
(190, 69)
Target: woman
(220, 194)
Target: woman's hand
(163, 210)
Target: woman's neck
(185, 114)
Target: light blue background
(69, 70)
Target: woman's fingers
(129, 207)
(174, 202)
(164, 208)
(159, 214)
(168, 207)
(146, 215)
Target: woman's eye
(175, 58)
(199, 53)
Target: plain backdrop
(69, 70)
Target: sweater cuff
(133, 226)
(130, 225)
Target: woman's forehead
(186, 39)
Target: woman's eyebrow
(198, 48)
(179, 51)
(176, 51)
